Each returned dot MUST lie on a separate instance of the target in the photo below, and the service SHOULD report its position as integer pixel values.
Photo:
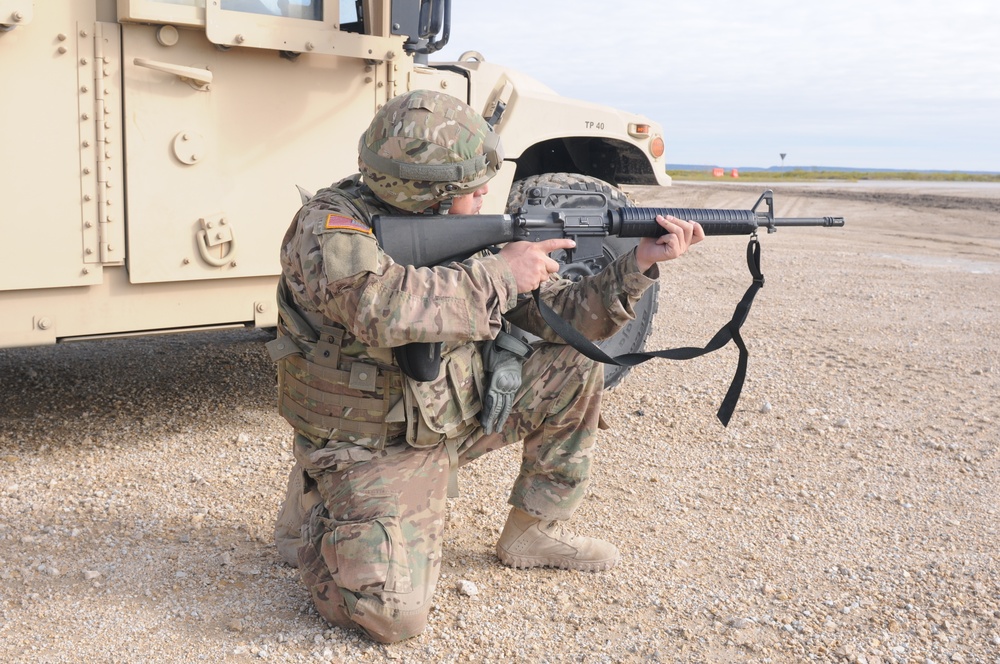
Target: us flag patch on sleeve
(337, 221)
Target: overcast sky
(907, 84)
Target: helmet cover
(424, 147)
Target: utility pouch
(448, 407)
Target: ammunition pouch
(447, 407)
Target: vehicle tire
(632, 337)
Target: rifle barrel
(824, 222)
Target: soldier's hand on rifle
(530, 262)
(680, 235)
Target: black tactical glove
(502, 360)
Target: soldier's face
(469, 203)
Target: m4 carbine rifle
(587, 218)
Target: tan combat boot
(530, 542)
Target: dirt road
(848, 513)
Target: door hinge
(100, 155)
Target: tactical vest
(325, 393)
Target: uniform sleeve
(598, 306)
(334, 267)
(403, 304)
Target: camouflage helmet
(424, 147)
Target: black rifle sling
(729, 331)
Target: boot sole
(527, 562)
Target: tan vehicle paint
(152, 149)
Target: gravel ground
(848, 513)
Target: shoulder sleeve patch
(340, 222)
(348, 254)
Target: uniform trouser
(372, 551)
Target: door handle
(197, 78)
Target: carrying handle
(197, 78)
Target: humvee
(153, 149)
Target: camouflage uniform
(380, 447)
(372, 553)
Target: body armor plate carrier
(326, 394)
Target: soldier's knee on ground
(367, 613)
(359, 577)
(387, 625)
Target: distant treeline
(793, 175)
